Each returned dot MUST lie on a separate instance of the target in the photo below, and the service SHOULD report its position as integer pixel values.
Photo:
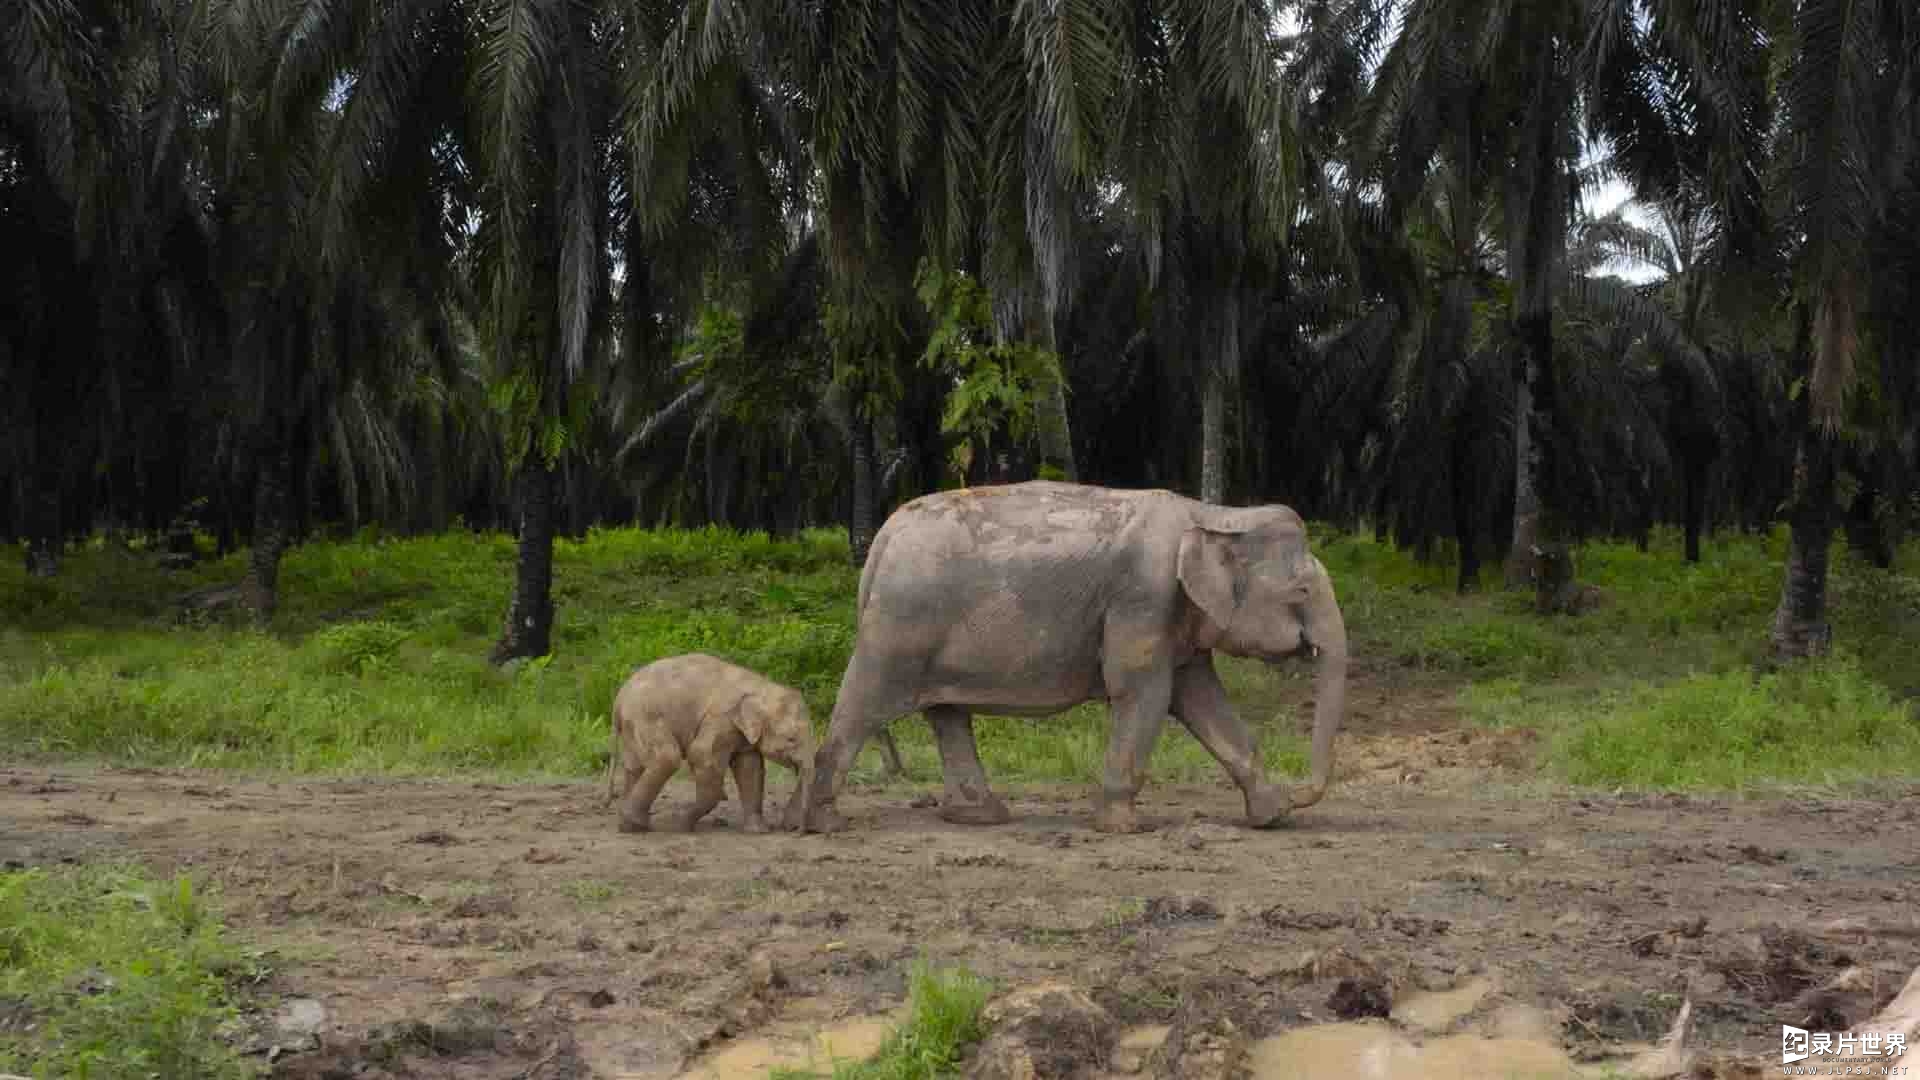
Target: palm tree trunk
(272, 520)
(529, 627)
(1055, 430)
(1531, 410)
(1221, 366)
(1463, 524)
(1800, 627)
(1694, 476)
(46, 537)
(1213, 437)
(860, 526)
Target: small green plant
(943, 1020)
(123, 976)
(592, 892)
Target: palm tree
(100, 202)
(1847, 149)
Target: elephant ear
(1206, 570)
(749, 714)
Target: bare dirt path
(477, 930)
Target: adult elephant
(1028, 599)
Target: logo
(1799, 1044)
(1793, 1045)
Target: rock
(1361, 996)
(1137, 1046)
(1213, 1050)
(1212, 1029)
(1330, 963)
(1049, 1029)
(1166, 910)
(294, 1029)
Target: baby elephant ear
(749, 714)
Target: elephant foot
(1117, 818)
(1267, 807)
(825, 819)
(682, 822)
(636, 825)
(1306, 795)
(987, 811)
(755, 825)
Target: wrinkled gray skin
(712, 716)
(1028, 599)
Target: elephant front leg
(1136, 715)
(967, 799)
(864, 706)
(750, 776)
(1201, 705)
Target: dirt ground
(476, 930)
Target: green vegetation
(375, 664)
(113, 975)
(943, 1019)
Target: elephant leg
(636, 806)
(750, 777)
(1136, 716)
(967, 799)
(1200, 704)
(865, 706)
(889, 754)
(709, 787)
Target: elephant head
(775, 720)
(1256, 591)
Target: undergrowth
(376, 663)
(943, 1020)
(105, 974)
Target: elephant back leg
(709, 787)
(892, 766)
(1139, 682)
(967, 799)
(636, 806)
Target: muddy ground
(476, 930)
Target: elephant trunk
(802, 793)
(1327, 630)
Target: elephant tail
(874, 553)
(613, 757)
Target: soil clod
(1046, 1030)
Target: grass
(376, 663)
(943, 1020)
(105, 973)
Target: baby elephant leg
(709, 787)
(750, 777)
(636, 808)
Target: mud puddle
(1372, 1050)
(795, 1046)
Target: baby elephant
(709, 714)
